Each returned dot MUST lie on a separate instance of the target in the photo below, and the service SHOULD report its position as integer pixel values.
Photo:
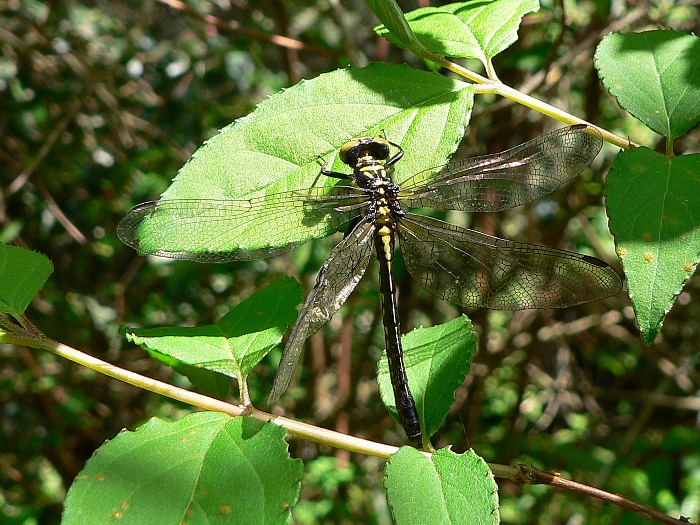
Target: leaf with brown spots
(654, 207)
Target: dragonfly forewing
(505, 180)
(336, 280)
(229, 230)
(469, 268)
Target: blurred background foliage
(101, 103)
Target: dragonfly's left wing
(469, 268)
(505, 180)
(335, 282)
(217, 231)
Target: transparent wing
(228, 230)
(337, 279)
(508, 179)
(469, 268)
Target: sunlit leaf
(448, 488)
(22, 274)
(473, 29)
(277, 147)
(234, 344)
(655, 75)
(437, 361)
(205, 468)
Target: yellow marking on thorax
(374, 173)
(385, 234)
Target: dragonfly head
(353, 150)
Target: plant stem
(487, 85)
(518, 473)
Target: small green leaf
(205, 468)
(277, 147)
(389, 13)
(654, 207)
(654, 75)
(437, 361)
(237, 342)
(447, 489)
(473, 29)
(22, 274)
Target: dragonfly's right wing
(470, 268)
(231, 230)
(337, 279)
(508, 179)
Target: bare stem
(529, 475)
(487, 85)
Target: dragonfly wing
(228, 230)
(505, 180)
(336, 280)
(469, 268)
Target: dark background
(102, 102)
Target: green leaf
(654, 207)
(447, 489)
(234, 344)
(473, 29)
(22, 274)
(207, 382)
(277, 147)
(437, 361)
(390, 15)
(654, 75)
(205, 468)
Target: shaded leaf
(654, 207)
(389, 13)
(437, 361)
(655, 75)
(22, 274)
(205, 468)
(474, 29)
(447, 489)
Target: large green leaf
(234, 344)
(205, 468)
(277, 147)
(654, 207)
(473, 29)
(446, 489)
(22, 274)
(437, 360)
(654, 75)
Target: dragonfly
(459, 265)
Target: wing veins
(505, 180)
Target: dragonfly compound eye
(376, 147)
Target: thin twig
(529, 475)
(23, 177)
(234, 27)
(72, 230)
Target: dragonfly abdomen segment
(405, 404)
